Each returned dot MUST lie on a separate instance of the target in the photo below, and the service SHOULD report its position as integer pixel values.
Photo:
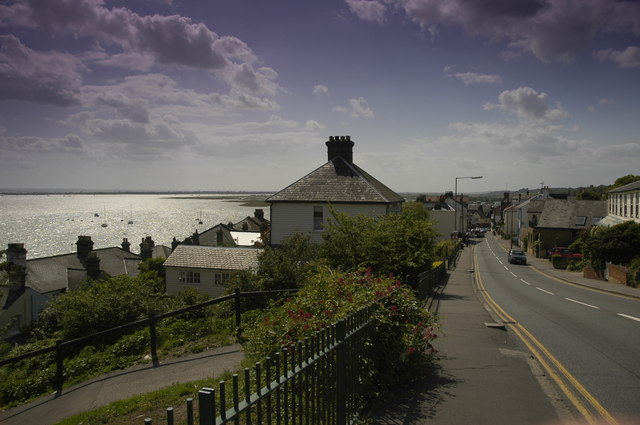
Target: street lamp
(456, 195)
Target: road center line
(524, 281)
(637, 319)
(514, 275)
(585, 304)
(544, 290)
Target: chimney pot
(126, 245)
(340, 147)
(16, 254)
(85, 246)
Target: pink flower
(411, 350)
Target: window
(189, 277)
(318, 217)
(581, 220)
(222, 278)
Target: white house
(207, 268)
(303, 206)
(623, 204)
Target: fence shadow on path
(416, 402)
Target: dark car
(517, 256)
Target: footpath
(124, 384)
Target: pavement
(483, 374)
(124, 384)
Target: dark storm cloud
(552, 30)
(50, 77)
(145, 40)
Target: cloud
(71, 143)
(147, 41)
(473, 78)
(528, 139)
(551, 30)
(320, 90)
(50, 77)
(357, 108)
(313, 125)
(527, 104)
(627, 58)
(369, 10)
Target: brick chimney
(93, 266)
(340, 146)
(174, 244)
(17, 264)
(17, 255)
(259, 214)
(126, 245)
(146, 248)
(85, 246)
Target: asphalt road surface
(588, 341)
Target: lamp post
(456, 195)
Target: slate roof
(627, 187)
(562, 213)
(337, 181)
(58, 272)
(213, 257)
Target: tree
(285, 267)
(589, 195)
(618, 244)
(621, 181)
(101, 305)
(402, 244)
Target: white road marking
(500, 262)
(514, 275)
(524, 281)
(544, 290)
(505, 267)
(637, 319)
(585, 304)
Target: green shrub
(402, 244)
(633, 275)
(577, 265)
(403, 329)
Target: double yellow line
(593, 412)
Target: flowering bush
(402, 328)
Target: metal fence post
(341, 372)
(59, 368)
(237, 308)
(154, 341)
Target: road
(587, 341)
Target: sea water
(50, 224)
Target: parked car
(564, 252)
(517, 256)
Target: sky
(233, 95)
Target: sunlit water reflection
(51, 224)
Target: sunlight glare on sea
(50, 224)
